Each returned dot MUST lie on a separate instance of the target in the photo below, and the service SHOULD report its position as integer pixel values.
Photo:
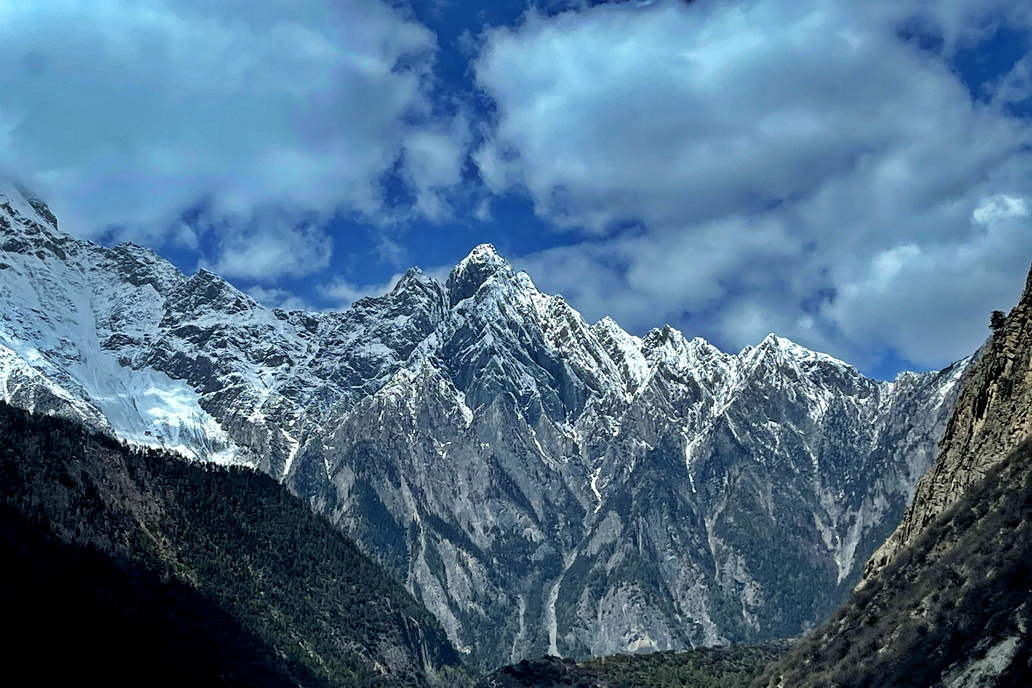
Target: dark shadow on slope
(74, 614)
(120, 559)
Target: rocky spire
(482, 263)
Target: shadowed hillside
(712, 667)
(134, 567)
(952, 608)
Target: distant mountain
(133, 567)
(541, 484)
(946, 601)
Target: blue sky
(856, 178)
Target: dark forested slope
(710, 667)
(138, 567)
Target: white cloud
(959, 23)
(433, 160)
(1000, 207)
(1015, 86)
(271, 245)
(912, 297)
(341, 293)
(778, 160)
(132, 111)
(278, 298)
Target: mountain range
(539, 483)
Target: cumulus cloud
(810, 168)
(433, 166)
(912, 296)
(1016, 86)
(340, 293)
(130, 112)
(272, 297)
(956, 23)
(270, 244)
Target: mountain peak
(483, 253)
(785, 348)
(415, 274)
(665, 344)
(773, 342)
(205, 275)
(482, 263)
(413, 278)
(670, 346)
(206, 292)
(23, 202)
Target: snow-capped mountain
(540, 483)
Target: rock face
(539, 483)
(992, 416)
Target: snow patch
(594, 487)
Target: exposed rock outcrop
(992, 416)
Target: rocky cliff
(992, 415)
(950, 609)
